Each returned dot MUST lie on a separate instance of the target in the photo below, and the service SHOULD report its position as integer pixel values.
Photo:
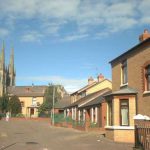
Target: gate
(142, 134)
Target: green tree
(4, 103)
(48, 99)
(14, 105)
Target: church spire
(2, 57)
(11, 68)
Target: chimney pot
(100, 78)
(90, 80)
(144, 36)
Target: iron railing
(142, 135)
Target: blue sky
(66, 41)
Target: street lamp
(53, 105)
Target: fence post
(136, 137)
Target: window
(124, 72)
(22, 104)
(110, 114)
(34, 101)
(124, 112)
(147, 77)
(83, 94)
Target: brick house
(130, 90)
(92, 95)
(91, 87)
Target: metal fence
(142, 134)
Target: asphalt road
(38, 135)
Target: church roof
(27, 91)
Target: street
(39, 135)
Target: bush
(14, 105)
(2, 115)
(20, 115)
(93, 125)
(44, 115)
(58, 118)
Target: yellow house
(31, 97)
(93, 86)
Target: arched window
(147, 77)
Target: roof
(133, 49)
(123, 91)
(89, 97)
(89, 86)
(84, 88)
(96, 101)
(27, 90)
(64, 102)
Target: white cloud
(70, 85)
(31, 37)
(3, 32)
(88, 17)
(74, 37)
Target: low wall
(119, 135)
(34, 119)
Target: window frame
(110, 113)
(34, 101)
(124, 72)
(147, 77)
(22, 104)
(121, 106)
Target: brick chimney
(90, 80)
(144, 36)
(100, 78)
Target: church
(7, 72)
(31, 97)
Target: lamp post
(53, 105)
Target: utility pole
(53, 105)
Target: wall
(116, 109)
(99, 86)
(28, 102)
(135, 62)
(126, 136)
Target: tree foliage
(48, 98)
(4, 103)
(14, 105)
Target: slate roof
(89, 86)
(64, 102)
(96, 101)
(133, 49)
(124, 91)
(27, 90)
(88, 98)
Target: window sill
(122, 85)
(146, 92)
(120, 127)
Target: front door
(32, 112)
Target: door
(32, 112)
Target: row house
(130, 90)
(93, 86)
(90, 104)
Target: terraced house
(87, 104)
(130, 90)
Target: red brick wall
(135, 62)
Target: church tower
(7, 74)
(11, 70)
(2, 71)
